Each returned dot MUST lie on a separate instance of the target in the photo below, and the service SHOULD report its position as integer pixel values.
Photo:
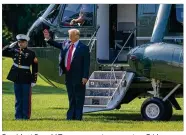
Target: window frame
(93, 19)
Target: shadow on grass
(49, 119)
(108, 117)
(58, 108)
(129, 115)
(124, 116)
(112, 116)
(8, 88)
(119, 111)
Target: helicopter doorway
(116, 23)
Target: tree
(18, 18)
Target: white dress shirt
(75, 46)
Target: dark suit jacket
(80, 63)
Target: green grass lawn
(49, 106)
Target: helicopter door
(109, 41)
(126, 22)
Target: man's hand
(46, 34)
(84, 81)
(12, 44)
(72, 22)
(33, 84)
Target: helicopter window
(78, 15)
(146, 15)
(149, 9)
(179, 12)
(52, 16)
(176, 19)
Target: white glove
(46, 39)
(33, 84)
(12, 44)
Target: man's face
(73, 37)
(22, 44)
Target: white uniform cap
(22, 37)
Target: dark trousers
(22, 101)
(76, 97)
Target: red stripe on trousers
(29, 102)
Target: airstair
(106, 89)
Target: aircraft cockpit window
(78, 15)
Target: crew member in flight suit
(21, 75)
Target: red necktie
(69, 57)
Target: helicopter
(112, 31)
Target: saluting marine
(21, 75)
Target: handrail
(112, 65)
(92, 38)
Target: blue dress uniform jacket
(22, 58)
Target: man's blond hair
(76, 31)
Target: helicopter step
(106, 89)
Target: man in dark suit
(75, 63)
(21, 75)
